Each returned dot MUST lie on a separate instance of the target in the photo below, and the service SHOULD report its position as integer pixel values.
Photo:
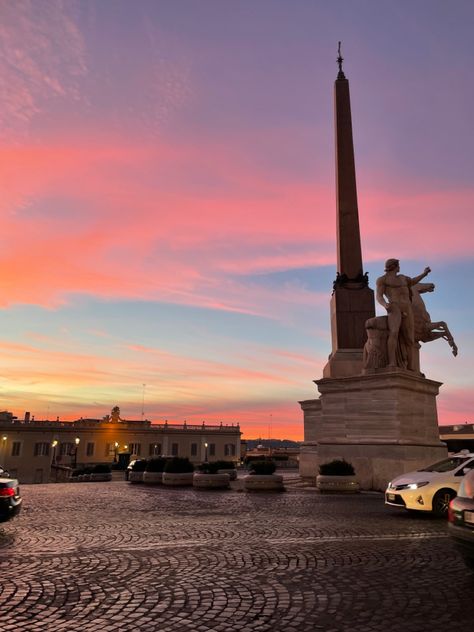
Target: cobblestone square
(103, 557)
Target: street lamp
(4, 449)
(77, 442)
(205, 453)
(116, 445)
(54, 444)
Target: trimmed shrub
(178, 465)
(101, 468)
(262, 467)
(209, 468)
(224, 465)
(338, 467)
(156, 464)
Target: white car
(433, 487)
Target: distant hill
(272, 443)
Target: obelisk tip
(340, 59)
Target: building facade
(29, 448)
(458, 437)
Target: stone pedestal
(351, 307)
(385, 423)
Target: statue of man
(394, 293)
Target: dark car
(461, 519)
(10, 499)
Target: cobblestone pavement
(117, 557)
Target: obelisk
(383, 420)
(352, 302)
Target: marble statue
(393, 340)
(394, 292)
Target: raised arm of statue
(418, 278)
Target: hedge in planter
(262, 468)
(153, 473)
(208, 468)
(337, 476)
(261, 477)
(208, 476)
(101, 472)
(178, 471)
(226, 467)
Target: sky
(167, 200)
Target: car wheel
(441, 501)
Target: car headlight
(417, 485)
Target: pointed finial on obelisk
(340, 59)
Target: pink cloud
(87, 216)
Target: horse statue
(375, 350)
(425, 329)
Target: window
(90, 449)
(174, 449)
(212, 449)
(229, 449)
(16, 448)
(194, 449)
(66, 448)
(154, 449)
(111, 449)
(42, 449)
(134, 448)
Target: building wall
(27, 449)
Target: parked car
(431, 488)
(10, 499)
(461, 519)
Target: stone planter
(100, 477)
(151, 478)
(177, 478)
(211, 481)
(344, 484)
(263, 483)
(232, 473)
(135, 477)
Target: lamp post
(54, 445)
(116, 445)
(205, 453)
(77, 442)
(4, 450)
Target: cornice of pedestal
(379, 379)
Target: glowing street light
(54, 445)
(205, 453)
(77, 442)
(116, 445)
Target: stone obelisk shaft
(352, 302)
(349, 253)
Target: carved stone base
(385, 423)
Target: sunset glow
(167, 199)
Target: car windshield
(446, 465)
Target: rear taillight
(451, 512)
(7, 492)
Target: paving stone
(109, 556)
